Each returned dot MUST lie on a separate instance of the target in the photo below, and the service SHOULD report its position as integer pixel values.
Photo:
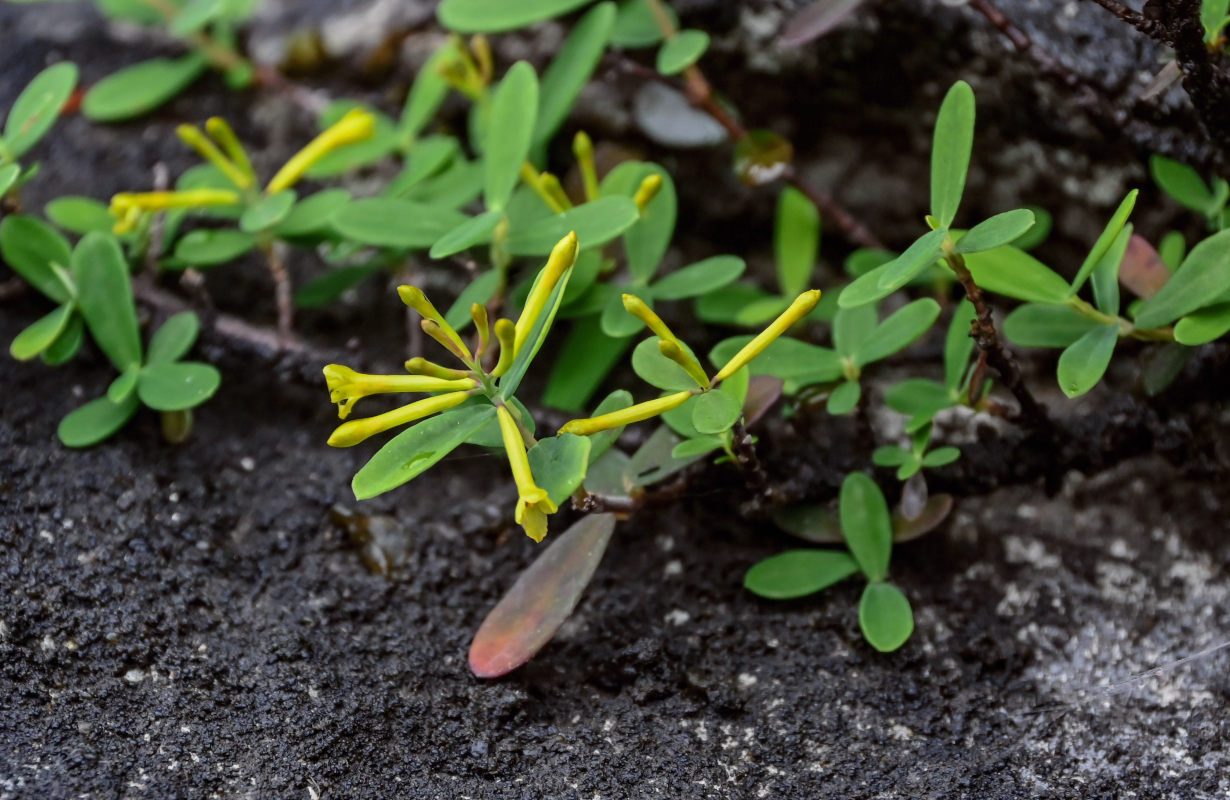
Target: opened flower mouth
(533, 502)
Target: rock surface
(190, 622)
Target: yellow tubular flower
(347, 387)
(562, 257)
(533, 504)
(437, 332)
(684, 359)
(351, 433)
(505, 333)
(641, 310)
(481, 48)
(647, 192)
(551, 185)
(533, 179)
(160, 201)
(224, 135)
(637, 413)
(356, 126)
(421, 366)
(191, 135)
(583, 149)
(801, 307)
(478, 313)
(414, 297)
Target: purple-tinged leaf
(762, 392)
(1143, 272)
(937, 509)
(816, 20)
(543, 597)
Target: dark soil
(191, 622)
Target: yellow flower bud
(562, 257)
(801, 307)
(122, 203)
(478, 313)
(648, 190)
(357, 125)
(583, 149)
(351, 433)
(191, 135)
(225, 136)
(505, 333)
(641, 310)
(637, 413)
(414, 297)
(683, 358)
(421, 366)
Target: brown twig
(274, 257)
(749, 465)
(984, 334)
(588, 503)
(1134, 18)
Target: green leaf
(890, 455)
(595, 223)
(1182, 183)
(395, 223)
(176, 386)
(533, 342)
(1105, 277)
(682, 51)
(67, 343)
(141, 88)
(39, 336)
(851, 326)
(36, 108)
(195, 15)
(865, 259)
(174, 339)
(1202, 279)
(1082, 363)
(493, 16)
(510, 129)
(328, 287)
(79, 215)
(1204, 325)
(417, 449)
(96, 421)
(699, 278)
(543, 597)
(1105, 241)
(559, 463)
(8, 176)
(312, 214)
(106, 299)
(866, 288)
(266, 212)
(1041, 230)
(1015, 273)
(490, 435)
(999, 230)
(31, 246)
(635, 25)
(916, 258)
(795, 241)
(208, 248)
(941, 456)
(571, 69)
(950, 152)
(897, 332)
(585, 359)
(647, 240)
(616, 321)
(727, 305)
(658, 370)
(427, 93)
(885, 616)
(474, 231)
(697, 447)
(866, 525)
(1037, 325)
(431, 160)
(798, 573)
(919, 397)
(844, 399)
(958, 345)
(715, 412)
(480, 290)
(1172, 249)
(123, 386)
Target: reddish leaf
(937, 509)
(1143, 272)
(816, 20)
(544, 595)
(762, 392)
